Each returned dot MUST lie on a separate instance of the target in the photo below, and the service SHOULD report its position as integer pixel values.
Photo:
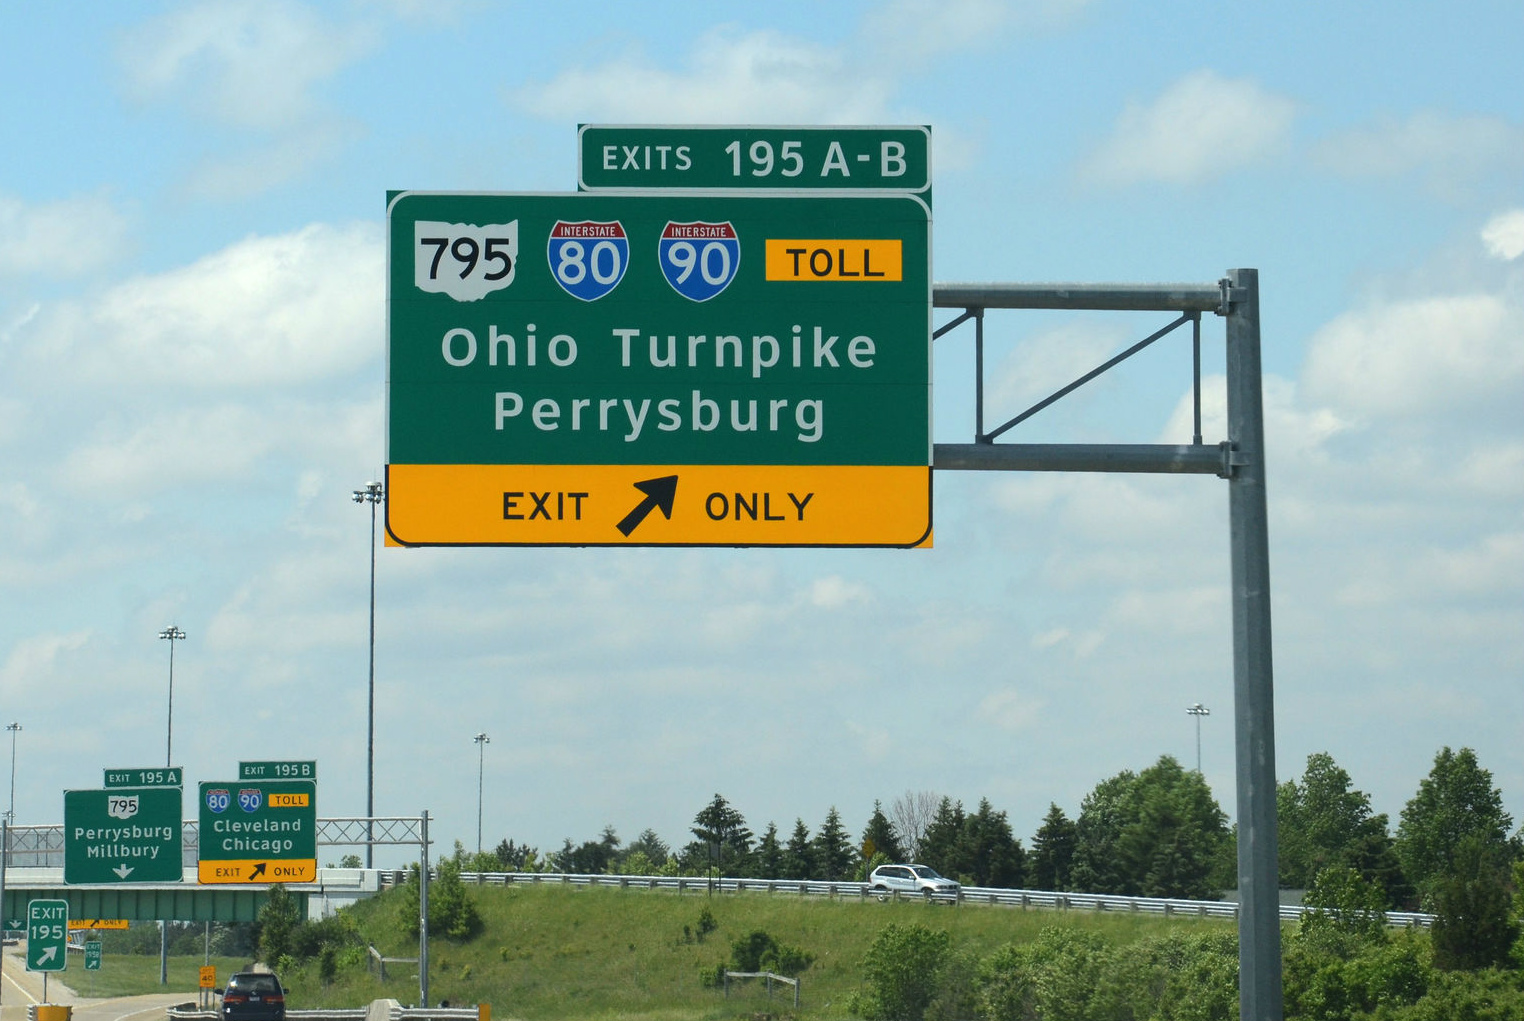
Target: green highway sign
(303, 770)
(122, 835)
(159, 776)
(47, 929)
(93, 956)
(258, 831)
(731, 369)
(895, 159)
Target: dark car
(253, 996)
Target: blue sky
(192, 383)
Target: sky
(193, 383)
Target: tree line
(1158, 832)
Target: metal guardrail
(1045, 899)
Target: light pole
(371, 494)
(10, 813)
(482, 741)
(1198, 710)
(171, 634)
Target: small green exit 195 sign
(47, 928)
(896, 159)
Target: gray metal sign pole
(5, 853)
(423, 911)
(1259, 926)
(1241, 460)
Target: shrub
(1342, 899)
(759, 951)
(901, 971)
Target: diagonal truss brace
(1189, 300)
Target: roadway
(19, 989)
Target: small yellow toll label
(278, 800)
(856, 260)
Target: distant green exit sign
(300, 770)
(896, 159)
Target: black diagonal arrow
(259, 870)
(659, 493)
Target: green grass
(551, 952)
(132, 974)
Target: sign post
(666, 369)
(258, 831)
(122, 835)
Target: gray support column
(1259, 927)
(5, 853)
(423, 910)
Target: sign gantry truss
(1240, 459)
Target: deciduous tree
(1455, 801)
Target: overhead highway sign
(660, 369)
(258, 831)
(122, 835)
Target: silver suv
(910, 879)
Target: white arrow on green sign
(93, 956)
(47, 927)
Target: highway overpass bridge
(34, 870)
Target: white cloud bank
(1201, 127)
(254, 68)
(768, 77)
(247, 64)
(1504, 235)
(59, 239)
(762, 77)
(1448, 152)
(287, 309)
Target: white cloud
(1201, 127)
(762, 77)
(287, 309)
(248, 64)
(919, 30)
(57, 239)
(1449, 152)
(1010, 710)
(1504, 235)
(33, 662)
(834, 592)
(1043, 363)
(1448, 353)
(263, 166)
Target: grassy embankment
(133, 974)
(549, 953)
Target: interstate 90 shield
(588, 258)
(699, 259)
